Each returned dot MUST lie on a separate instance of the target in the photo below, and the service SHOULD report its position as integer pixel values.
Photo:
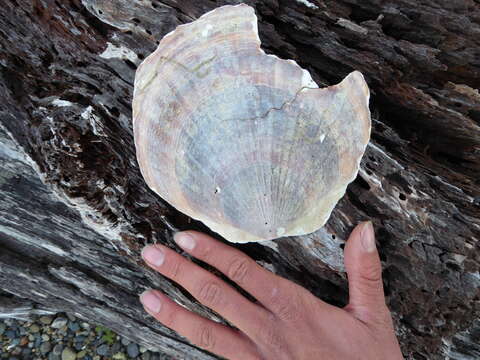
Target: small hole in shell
(148, 32)
(136, 21)
(333, 236)
(402, 197)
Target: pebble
(26, 353)
(64, 337)
(68, 354)
(53, 356)
(147, 355)
(132, 350)
(74, 326)
(116, 347)
(59, 322)
(22, 330)
(34, 328)
(57, 349)
(38, 341)
(14, 342)
(45, 347)
(103, 350)
(47, 320)
(119, 356)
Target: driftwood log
(75, 211)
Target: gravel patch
(64, 337)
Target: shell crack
(286, 103)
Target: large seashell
(243, 141)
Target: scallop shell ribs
(244, 141)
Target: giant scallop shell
(243, 141)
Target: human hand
(288, 322)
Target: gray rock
(103, 350)
(71, 317)
(14, 342)
(2, 328)
(10, 334)
(57, 349)
(22, 330)
(68, 354)
(59, 322)
(79, 339)
(53, 356)
(125, 341)
(38, 340)
(116, 347)
(45, 347)
(27, 353)
(147, 355)
(132, 350)
(47, 320)
(45, 337)
(74, 326)
(34, 328)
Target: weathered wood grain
(75, 212)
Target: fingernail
(150, 301)
(368, 237)
(153, 255)
(184, 240)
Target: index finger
(277, 294)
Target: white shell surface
(243, 141)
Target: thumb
(364, 271)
